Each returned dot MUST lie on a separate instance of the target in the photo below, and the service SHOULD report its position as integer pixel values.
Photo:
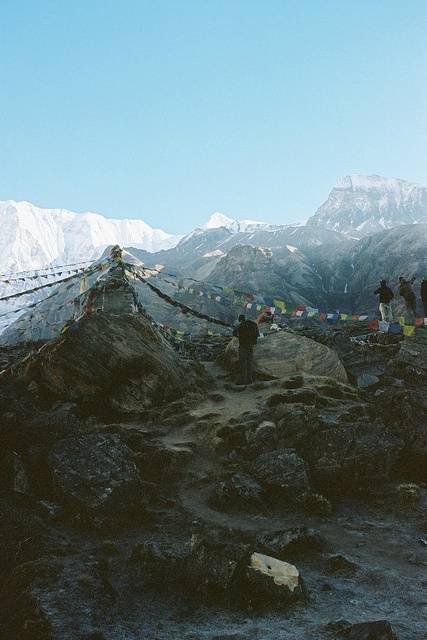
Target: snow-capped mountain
(218, 220)
(32, 237)
(362, 205)
(358, 206)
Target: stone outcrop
(272, 581)
(280, 354)
(119, 362)
(283, 473)
(377, 630)
(96, 473)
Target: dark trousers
(246, 358)
(425, 308)
(411, 304)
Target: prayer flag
(280, 304)
(408, 330)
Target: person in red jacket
(265, 316)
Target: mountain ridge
(361, 205)
(357, 206)
(33, 237)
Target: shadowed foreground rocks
(142, 498)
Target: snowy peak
(378, 184)
(218, 220)
(33, 237)
(361, 205)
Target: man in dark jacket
(424, 295)
(386, 296)
(407, 293)
(247, 333)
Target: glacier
(33, 237)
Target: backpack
(388, 295)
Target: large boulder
(268, 581)
(239, 491)
(118, 362)
(413, 352)
(345, 450)
(213, 564)
(283, 473)
(219, 568)
(377, 630)
(282, 353)
(288, 542)
(96, 473)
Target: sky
(171, 110)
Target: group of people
(406, 291)
(247, 331)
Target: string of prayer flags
(35, 273)
(18, 294)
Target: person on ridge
(247, 333)
(407, 293)
(386, 295)
(424, 295)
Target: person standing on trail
(247, 333)
(386, 295)
(407, 293)
(424, 295)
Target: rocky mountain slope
(143, 495)
(285, 273)
(357, 206)
(318, 263)
(342, 276)
(354, 275)
(361, 205)
(330, 276)
(198, 253)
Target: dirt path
(364, 532)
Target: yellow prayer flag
(280, 304)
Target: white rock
(282, 573)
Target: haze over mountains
(368, 228)
(357, 206)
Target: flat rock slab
(283, 354)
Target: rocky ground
(145, 497)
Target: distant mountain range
(369, 228)
(357, 206)
(32, 237)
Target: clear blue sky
(170, 110)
